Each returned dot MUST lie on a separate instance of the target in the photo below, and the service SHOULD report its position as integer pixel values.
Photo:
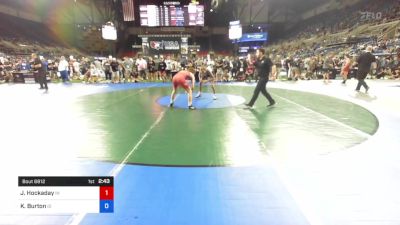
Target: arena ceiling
(299, 5)
(97, 11)
(59, 11)
(265, 11)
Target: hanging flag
(128, 8)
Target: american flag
(128, 8)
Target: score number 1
(106, 199)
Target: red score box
(106, 193)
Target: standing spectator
(183, 62)
(63, 69)
(288, 64)
(250, 67)
(175, 67)
(115, 70)
(226, 67)
(76, 69)
(127, 64)
(84, 65)
(141, 67)
(107, 68)
(99, 69)
(71, 66)
(52, 68)
(169, 64)
(218, 68)
(157, 63)
(296, 72)
(314, 67)
(152, 70)
(274, 71)
(91, 75)
(235, 67)
(327, 68)
(162, 70)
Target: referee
(39, 68)
(263, 66)
(364, 66)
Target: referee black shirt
(41, 70)
(365, 60)
(263, 67)
(364, 64)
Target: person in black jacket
(263, 66)
(364, 66)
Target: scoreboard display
(55, 195)
(171, 15)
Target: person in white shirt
(76, 68)
(142, 66)
(168, 69)
(63, 69)
(92, 75)
(175, 67)
(99, 69)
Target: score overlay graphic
(44, 195)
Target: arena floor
(324, 155)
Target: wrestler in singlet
(179, 80)
(346, 68)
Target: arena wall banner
(164, 45)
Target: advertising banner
(250, 37)
(164, 45)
